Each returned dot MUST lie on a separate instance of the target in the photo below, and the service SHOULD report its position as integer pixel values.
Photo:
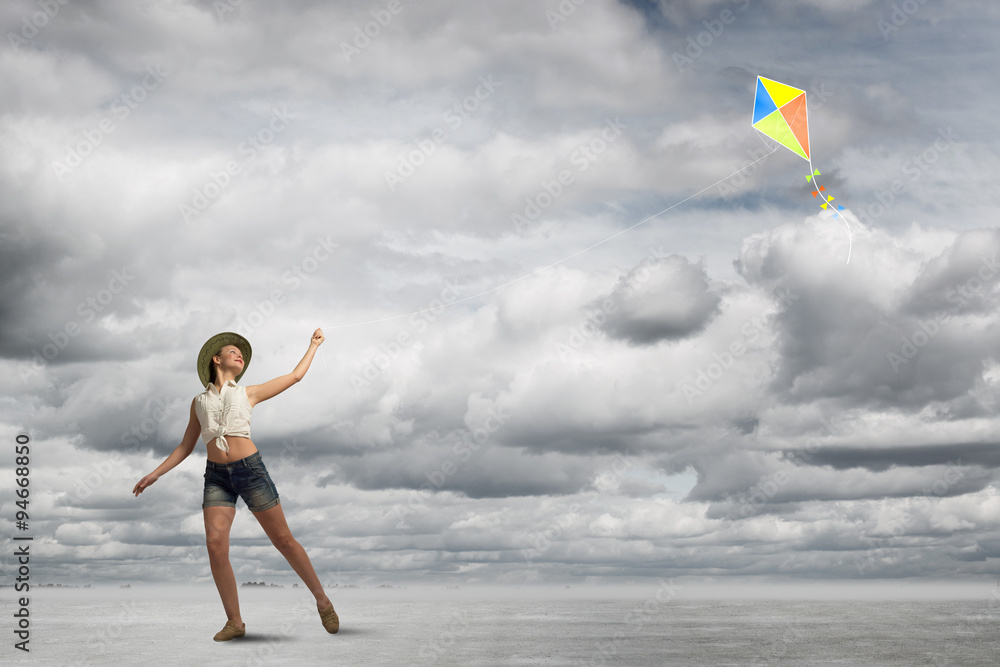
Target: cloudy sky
(583, 323)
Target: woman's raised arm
(261, 392)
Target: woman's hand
(144, 482)
(317, 338)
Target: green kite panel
(776, 127)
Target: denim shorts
(247, 479)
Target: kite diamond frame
(780, 112)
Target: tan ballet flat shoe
(330, 620)
(230, 631)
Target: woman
(235, 469)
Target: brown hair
(211, 366)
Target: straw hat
(212, 347)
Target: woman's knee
(284, 542)
(217, 542)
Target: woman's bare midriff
(239, 448)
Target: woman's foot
(329, 617)
(231, 630)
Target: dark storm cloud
(963, 280)
(985, 454)
(660, 300)
(22, 267)
(488, 473)
(746, 423)
(760, 482)
(53, 302)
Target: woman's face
(230, 359)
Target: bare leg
(274, 524)
(218, 521)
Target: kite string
(564, 259)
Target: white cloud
(722, 362)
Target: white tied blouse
(223, 414)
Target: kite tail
(826, 205)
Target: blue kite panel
(763, 105)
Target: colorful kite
(780, 112)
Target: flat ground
(512, 626)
